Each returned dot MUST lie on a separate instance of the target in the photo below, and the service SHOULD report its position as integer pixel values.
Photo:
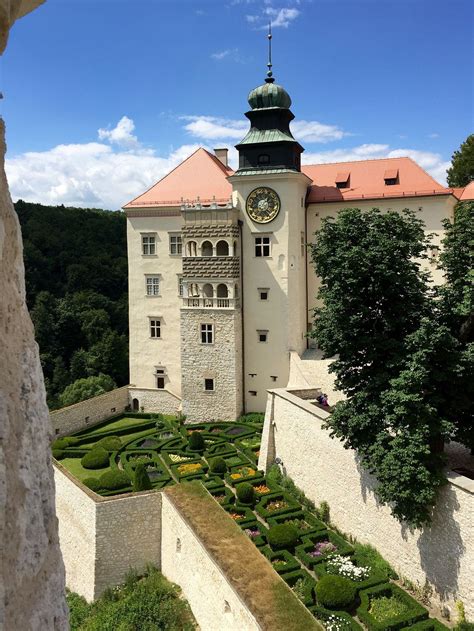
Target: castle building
(221, 288)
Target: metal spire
(269, 78)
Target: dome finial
(269, 78)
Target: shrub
(389, 608)
(246, 493)
(114, 480)
(335, 592)
(92, 483)
(58, 453)
(141, 480)
(97, 458)
(63, 443)
(111, 443)
(196, 442)
(218, 466)
(283, 536)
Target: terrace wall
(186, 561)
(89, 412)
(154, 400)
(442, 555)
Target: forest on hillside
(76, 289)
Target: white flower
(343, 566)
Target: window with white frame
(148, 244)
(152, 285)
(262, 246)
(207, 333)
(176, 245)
(180, 286)
(155, 327)
(160, 375)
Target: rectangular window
(207, 333)
(303, 244)
(262, 336)
(180, 286)
(209, 385)
(152, 285)
(176, 245)
(148, 244)
(155, 328)
(160, 374)
(253, 393)
(262, 246)
(263, 293)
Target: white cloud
(433, 163)
(313, 131)
(214, 128)
(121, 134)
(281, 17)
(434, 135)
(230, 53)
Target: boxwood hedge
(96, 458)
(415, 613)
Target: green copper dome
(269, 95)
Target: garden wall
(185, 561)
(153, 400)
(89, 412)
(443, 554)
(102, 538)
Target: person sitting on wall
(322, 399)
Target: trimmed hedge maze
(138, 452)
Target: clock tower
(269, 192)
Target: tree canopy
(461, 171)
(400, 357)
(76, 282)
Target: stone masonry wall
(185, 561)
(442, 555)
(89, 412)
(154, 400)
(221, 361)
(211, 267)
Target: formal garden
(344, 584)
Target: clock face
(263, 205)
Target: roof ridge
(426, 172)
(216, 160)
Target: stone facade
(102, 538)
(212, 266)
(442, 555)
(89, 412)
(154, 400)
(185, 561)
(220, 361)
(210, 230)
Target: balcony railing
(210, 303)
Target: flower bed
(243, 473)
(319, 546)
(282, 561)
(256, 532)
(184, 469)
(352, 568)
(389, 608)
(305, 522)
(222, 495)
(335, 620)
(240, 515)
(276, 504)
(302, 585)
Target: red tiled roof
(200, 175)
(465, 193)
(368, 180)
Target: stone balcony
(210, 303)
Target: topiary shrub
(92, 483)
(114, 480)
(283, 537)
(58, 453)
(246, 493)
(63, 443)
(218, 466)
(196, 442)
(141, 479)
(111, 443)
(335, 592)
(97, 458)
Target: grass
(387, 607)
(73, 465)
(266, 595)
(367, 555)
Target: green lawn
(73, 465)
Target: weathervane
(269, 78)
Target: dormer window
(343, 179)
(391, 177)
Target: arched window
(208, 290)
(263, 159)
(191, 248)
(222, 291)
(222, 248)
(193, 290)
(135, 405)
(206, 249)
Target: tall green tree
(87, 388)
(461, 171)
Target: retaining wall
(154, 400)
(442, 555)
(89, 412)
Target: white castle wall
(89, 412)
(185, 561)
(443, 554)
(153, 400)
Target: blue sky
(103, 97)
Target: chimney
(221, 154)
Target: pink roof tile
(200, 175)
(367, 180)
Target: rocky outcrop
(32, 592)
